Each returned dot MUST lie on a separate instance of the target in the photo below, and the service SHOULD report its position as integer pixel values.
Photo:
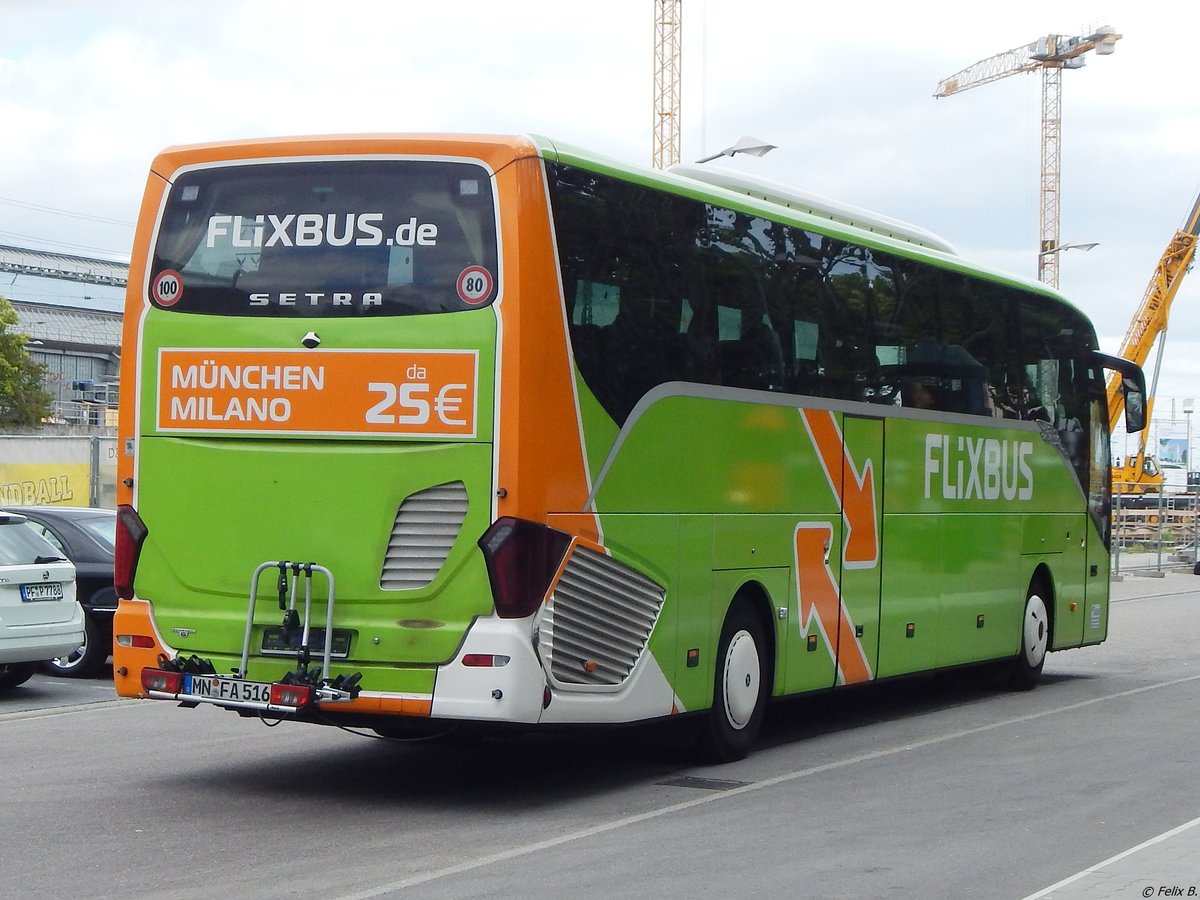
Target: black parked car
(86, 537)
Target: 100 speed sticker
(167, 287)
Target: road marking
(1112, 859)
(615, 824)
(1144, 597)
(44, 713)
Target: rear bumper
(33, 643)
(512, 692)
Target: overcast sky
(90, 91)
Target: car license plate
(49, 590)
(233, 690)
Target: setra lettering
(318, 298)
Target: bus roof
(496, 151)
(815, 205)
(714, 183)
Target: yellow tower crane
(1051, 54)
(667, 17)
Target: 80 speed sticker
(167, 287)
(475, 284)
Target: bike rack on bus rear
(287, 603)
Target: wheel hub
(741, 681)
(1036, 633)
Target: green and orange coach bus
(431, 429)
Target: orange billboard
(392, 393)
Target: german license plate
(233, 690)
(50, 590)
(278, 642)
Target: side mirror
(1133, 389)
(1135, 405)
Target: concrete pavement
(1167, 864)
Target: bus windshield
(332, 238)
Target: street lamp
(746, 144)
(1061, 247)
(1047, 260)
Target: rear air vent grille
(598, 620)
(427, 524)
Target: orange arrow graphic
(856, 493)
(820, 599)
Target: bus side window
(805, 372)
(1017, 398)
(643, 349)
(755, 360)
(850, 371)
(698, 325)
(921, 393)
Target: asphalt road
(930, 788)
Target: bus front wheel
(1035, 641)
(740, 688)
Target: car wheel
(13, 674)
(87, 658)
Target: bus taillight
(141, 641)
(162, 680)
(522, 557)
(131, 532)
(297, 695)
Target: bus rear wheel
(739, 689)
(1035, 642)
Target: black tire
(14, 674)
(741, 686)
(88, 658)
(1035, 642)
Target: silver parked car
(39, 615)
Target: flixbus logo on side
(965, 468)
(400, 393)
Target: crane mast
(667, 17)
(1051, 54)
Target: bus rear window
(336, 238)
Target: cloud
(93, 91)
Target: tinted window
(368, 237)
(666, 288)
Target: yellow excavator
(1138, 473)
